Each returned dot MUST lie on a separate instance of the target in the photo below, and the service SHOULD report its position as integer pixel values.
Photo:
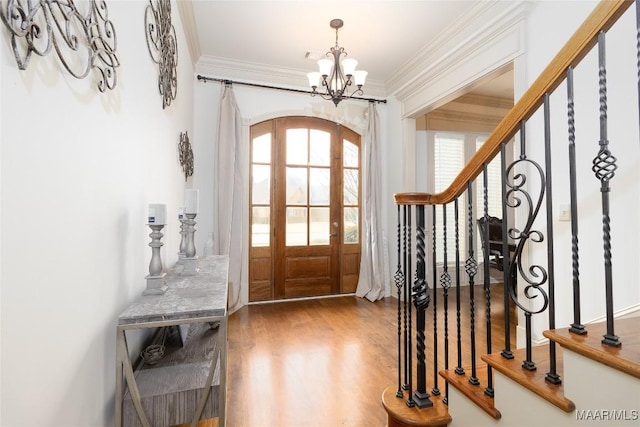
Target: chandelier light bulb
(314, 79)
(325, 66)
(360, 77)
(349, 66)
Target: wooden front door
(305, 209)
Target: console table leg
(223, 344)
(123, 351)
(119, 373)
(217, 354)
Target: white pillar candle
(191, 201)
(181, 213)
(157, 214)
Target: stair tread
(625, 358)
(475, 393)
(401, 414)
(533, 380)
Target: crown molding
(490, 36)
(188, 19)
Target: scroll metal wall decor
(163, 47)
(186, 155)
(82, 42)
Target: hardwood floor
(326, 362)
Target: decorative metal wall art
(163, 47)
(82, 42)
(186, 155)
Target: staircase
(577, 373)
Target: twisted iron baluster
(604, 166)
(487, 279)
(410, 401)
(552, 376)
(576, 327)
(421, 301)
(471, 268)
(399, 279)
(405, 386)
(535, 276)
(508, 279)
(435, 391)
(445, 282)
(459, 368)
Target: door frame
(263, 267)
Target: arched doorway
(305, 191)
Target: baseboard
(631, 311)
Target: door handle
(333, 235)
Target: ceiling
(383, 35)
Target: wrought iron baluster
(508, 274)
(399, 279)
(487, 276)
(435, 390)
(604, 166)
(407, 351)
(420, 296)
(535, 275)
(445, 282)
(459, 368)
(576, 327)
(552, 376)
(471, 268)
(410, 401)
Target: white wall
(542, 44)
(256, 105)
(78, 169)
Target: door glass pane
(296, 186)
(320, 152)
(262, 149)
(350, 154)
(319, 180)
(296, 229)
(351, 232)
(260, 226)
(297, 147)
(350, 186)
(261, 188)
(319, 226)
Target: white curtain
(373, 271)
(228, 185)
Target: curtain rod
(308, 92)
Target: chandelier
(336, 74)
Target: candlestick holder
(190, 258)
(183, 240)
(156, 278)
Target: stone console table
(189, 300)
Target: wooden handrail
(602, 18)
